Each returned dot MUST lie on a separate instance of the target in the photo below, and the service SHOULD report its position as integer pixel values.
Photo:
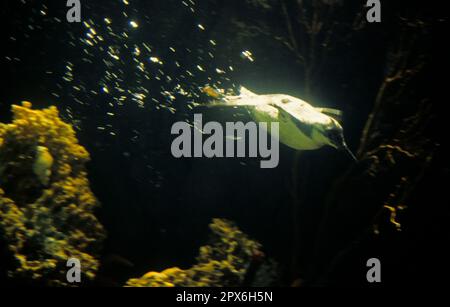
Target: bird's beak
(345, 148)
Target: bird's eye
(332, 135)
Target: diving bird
(301, 126)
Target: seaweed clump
(46, 205)
(226, 262)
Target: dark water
(122, 92)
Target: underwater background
(130, 69)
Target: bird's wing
(303, 125)
(303, 112)
(336, 114)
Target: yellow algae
(223, 263)
(26, 104)
(46, 205)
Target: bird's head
(334, 136)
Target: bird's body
(295, 117)
(301, 126)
